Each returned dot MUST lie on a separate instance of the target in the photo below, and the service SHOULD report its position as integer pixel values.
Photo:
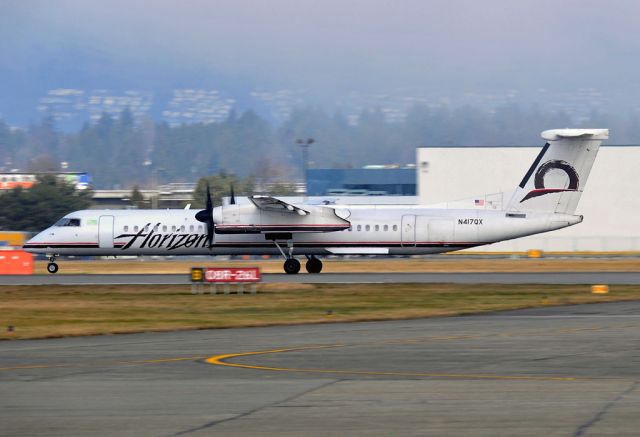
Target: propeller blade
(209, 202)
(233, 197)
(206, 216)
(210, 227)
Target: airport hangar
(610, 202)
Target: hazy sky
(328, 46)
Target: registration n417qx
(545, 200)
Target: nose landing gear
(52, 267)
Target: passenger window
(190, 228)
(164, 228)
(199, 228)
(135, 228)
(367, 227)
(126, 228)
(173, 228)
(386, 228)
(377, 228)
(182, 228)
(146, 228)
(359, 228)
(155, 228)
(395, 227)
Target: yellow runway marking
(222, 360)
(37, 366)
(101, 364)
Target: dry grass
(443, 263)
(51, 311)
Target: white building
(610, 202)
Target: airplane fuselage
(545, 200)
(374, 230)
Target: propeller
(206, 216)
(232, 201)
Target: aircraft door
(408, 231)
(105, 232)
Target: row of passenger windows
(200, 228)
(165, 228)
(385, 228)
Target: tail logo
(541, 190)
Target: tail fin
(556, 179)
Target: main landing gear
(292, 265)
(314, 265)
(52, 267)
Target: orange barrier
(16, 262)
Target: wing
(268, 203)
(269, 215)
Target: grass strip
(54, 311)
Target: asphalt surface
(566, 371)
(343, 278)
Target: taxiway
(553, 371)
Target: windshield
(68, 222)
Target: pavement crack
(255, 410)
(582, 429)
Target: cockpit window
(68, 222)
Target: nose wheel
(52, 267)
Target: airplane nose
(36, 241)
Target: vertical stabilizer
(557, 177)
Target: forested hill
(120, 152)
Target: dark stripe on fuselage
(249, 245)
(259, 229)
(61, 246)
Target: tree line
(120, 152)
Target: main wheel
(292, 266)
(52, 267)
(314, 265)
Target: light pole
(305, 160)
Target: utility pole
(305, 161)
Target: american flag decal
(479, 202)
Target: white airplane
(545, 200)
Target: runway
(553, 371)
(610, 278)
